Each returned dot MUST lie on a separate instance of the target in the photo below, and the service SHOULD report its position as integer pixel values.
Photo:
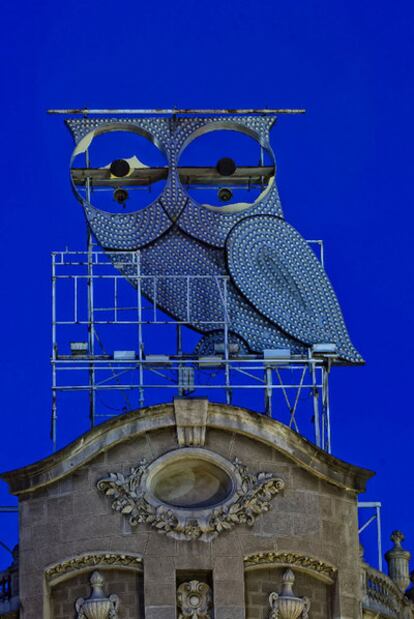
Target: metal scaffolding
(95, 308)
(375, 517)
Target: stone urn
(398, 561)
(286, 605)
(98, 605)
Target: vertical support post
(187, 280)
(323, 418)
(53, 426)
(322, 254)
(226, 343)
(179, 355)
(140, 341)
(91, 313)
(116, 299)
(179, 340)
(262, 164)
(75, 300)
(315, 399)
(379, 540)
(326, 406)
(268, 391)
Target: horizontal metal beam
(173, 111)
(133, 387)
(195, 175)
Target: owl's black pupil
(226, 166)
(120, 168)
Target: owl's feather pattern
(128, 230)
(176, 254)
(278, 295)
(274, 268)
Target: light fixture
(225, 194)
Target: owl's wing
(276, 271)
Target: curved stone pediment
(219, 417)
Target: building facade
(198, 510)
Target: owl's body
(202, 271)
(276, 293)
(196, 294)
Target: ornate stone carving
(398, 561)
(322, 569)
(249, 496)
(191, 419)
(194, 600)
(285, 605)
(82, 562)
(98, 605)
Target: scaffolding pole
(376, 505)
(227, 370)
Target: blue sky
(344, 175)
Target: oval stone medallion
(191, 483)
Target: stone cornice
(222, 417)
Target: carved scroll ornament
(194, 600)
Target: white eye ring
(235, 207)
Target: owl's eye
(120, 171)
(226, 169)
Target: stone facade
(129, 587)
(69, 527)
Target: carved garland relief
(191, 493)
(323, 570)
(90, 560)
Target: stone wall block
(221, 442)
(161, 546)
(229, 612)
(161, 441)
(160, 612)
(229, 568)
(228, 593)
(193, 555)
(128, 453)
(256, 455)
(155, 569)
